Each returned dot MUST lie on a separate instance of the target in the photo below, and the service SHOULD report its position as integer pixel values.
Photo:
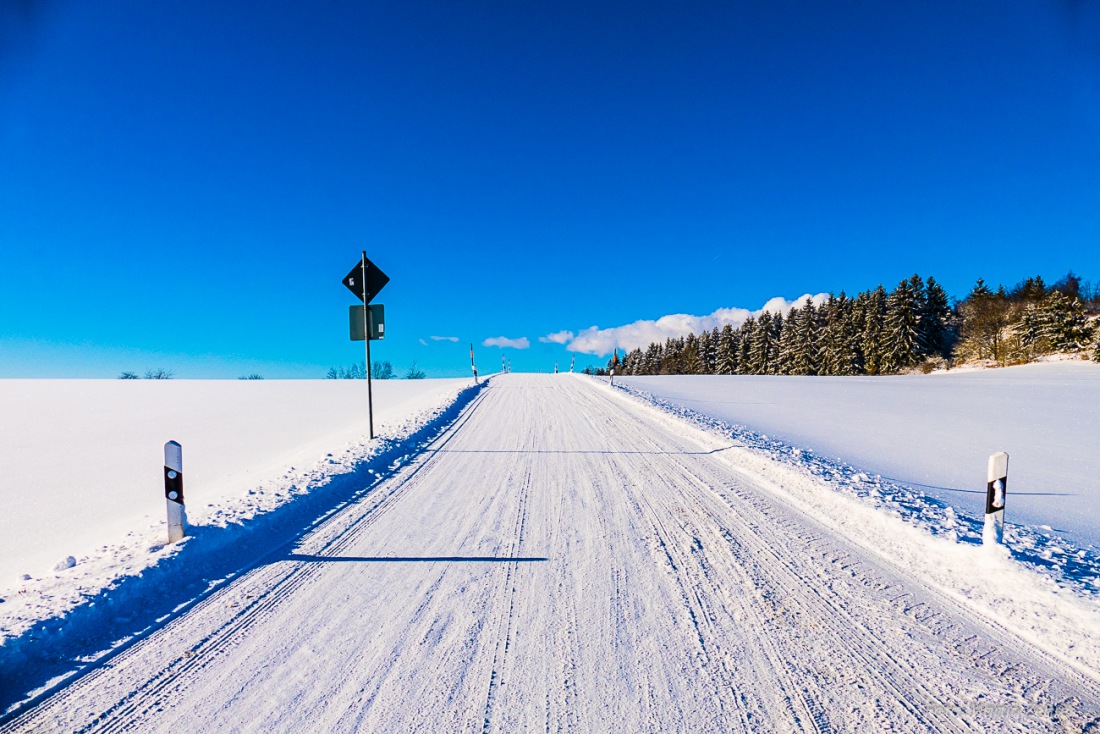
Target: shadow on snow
(54, 652)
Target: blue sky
(185, 184)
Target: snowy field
(908, 439)
(561, 556)
(81, 484)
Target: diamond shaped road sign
(366, 288)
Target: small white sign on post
(173, 491)
(996, 484)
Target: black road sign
(366, 289)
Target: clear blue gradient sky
(184, 184)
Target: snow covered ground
(81, 486)
(563, 556)
(919, 444)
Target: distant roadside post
(367, 321)
(173, 491)
(473, 366)
(996, 484)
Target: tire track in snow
(270, 586)
(924, 701)
(508, 595)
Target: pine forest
(913, 327)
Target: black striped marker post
(472, 365)
(173, 491)
(997, 483)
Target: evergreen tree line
(914, 326)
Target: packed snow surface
(561, 556)
(933, 432)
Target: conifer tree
(710, 355)
(706, 354)
(1057, 324)
(735, 362)
(652, 362)
(935, 319)
(744, 347)
(760, 346)
(726, 362)
(672, 360)
(874, 345)
(800, 339)
(776, 333)
(902, 330)
(808, 358)
(857, 318)
(1031, 290)
(786, 347)
(839, 354)
(692, 360)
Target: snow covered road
(560, 560)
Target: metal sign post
(365, 280)
(366, 330)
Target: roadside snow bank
(81, 488)
(1042, 587)
(920, 444)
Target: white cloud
(558, 337)
(444, 338)
(503, 341)
(780, 305)
(641, 334)
(424, 342)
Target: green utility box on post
(377, 322)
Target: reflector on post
(173, 491)
(995, 488)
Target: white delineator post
(173, 491)
(997, 482)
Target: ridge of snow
(224, 535)
(1039, 548)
